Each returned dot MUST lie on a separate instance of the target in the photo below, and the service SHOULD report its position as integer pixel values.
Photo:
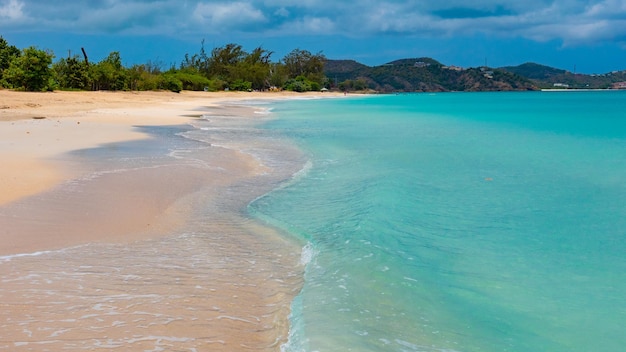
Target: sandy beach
(74, 229)
(39, 126)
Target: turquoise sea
(457, 221)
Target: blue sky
(585, 36)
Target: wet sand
(106, 244)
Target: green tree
(109, 74)
(230, 66)
(7, 54)
(278, 75)
(253, 68)
(303, 63)
(31, 70)
(71, 73)
(190, 63)
(258, 67)
(197, 63)
(223, 60)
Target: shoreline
(73, 218)
(35, 128)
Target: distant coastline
(429, 75)
(231, 68)
(579, 90)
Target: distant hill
(427, 75)
(344, 65)
(532, 70)
(413, 62)
(420, 75)
(550, 77)
(341, 70)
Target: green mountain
(549, 77)
(532, 70)
(341, 70)
(421, 75)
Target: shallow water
(458, 222)
(208, 278)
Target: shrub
(148, 82)
(240, 85)
(216, 85)
(301, 84)
(315, 86)
(192, 81)
(171, 83)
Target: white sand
(37, 215)
(77, 120)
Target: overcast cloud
(573, 22)
(565, 33)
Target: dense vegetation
(224, 68)
(232, 68)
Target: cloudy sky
(586, 36)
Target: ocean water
(457, 221)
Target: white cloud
(97, 17)
(228, 15)
(571, 21)
(282, 12)
(309, 26)
(575, 22)
(157, 17)
(608, 8)
(11, 10)
(300, 3)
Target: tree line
(223, 68)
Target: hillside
(532, 70)
(549, 77)
(341, 70)
(420, 75)
(426, 74)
